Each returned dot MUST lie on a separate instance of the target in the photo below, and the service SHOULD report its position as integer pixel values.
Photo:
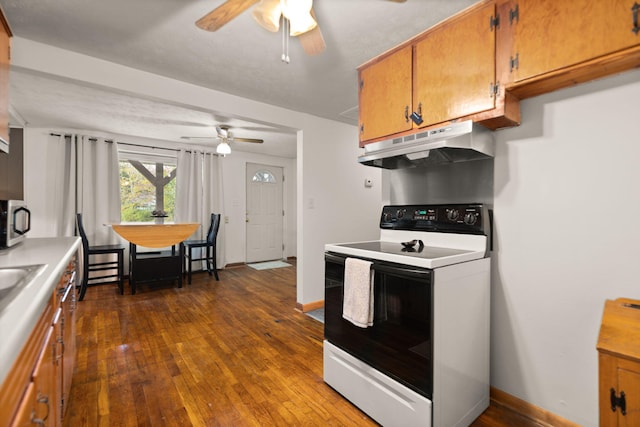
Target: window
(264, 176)
(147, 190)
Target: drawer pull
(41, 421)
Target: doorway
(264, 216)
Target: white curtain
(188, 207)
(98, 188)
(199, 194)
(62, 197)
(213, 200)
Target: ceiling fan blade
(223, 14)
(312, 41)
(258, 141)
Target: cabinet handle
(41, 421)
(406, 113)
(416, 116)
(618, 402)
(634, 12)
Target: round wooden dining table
(155, 235)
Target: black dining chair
(102, 270)
(209, 245)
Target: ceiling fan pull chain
(285, 39)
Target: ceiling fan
(299, 15)
(223, 133)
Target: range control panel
(455, 218)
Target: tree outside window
(147, 190)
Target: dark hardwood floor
(227, 353)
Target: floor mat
(269, 264)
(316, 314)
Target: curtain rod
(125, 143)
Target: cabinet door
(385, 96)
(454, 68)
(68, 324)
(26, 415)
(550, 35)
(44, 406)
(629, 383)
(4, 79)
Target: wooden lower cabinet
(619, 364)
(68, 334)
(36, 391)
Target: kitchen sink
(14, 279)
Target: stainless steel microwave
(15, 222)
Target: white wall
(234, 175)
(566, 198)
(334, 204)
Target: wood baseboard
(529, 410)
(309, 306)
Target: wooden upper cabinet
(385, 95)
(444, 74)
(558, 43)
(5, 36)
(454, 68)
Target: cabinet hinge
(494, 22)
(618, 402)
(361, 84)
(361, 128)
(514, 62)
(494, 89)
(514, 14)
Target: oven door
(399, 343)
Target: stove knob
(400, 213)
(453, 214)
(387, 217)
(470, 218)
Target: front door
(264, 213)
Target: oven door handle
(404, 270)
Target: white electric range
(425, 359)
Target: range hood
(456, 142)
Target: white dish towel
(357, 306)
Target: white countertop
(18, 319)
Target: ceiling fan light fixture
(267, 14)
(223, 149)
(298, 12)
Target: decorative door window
(264, 176)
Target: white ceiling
(159, 36)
